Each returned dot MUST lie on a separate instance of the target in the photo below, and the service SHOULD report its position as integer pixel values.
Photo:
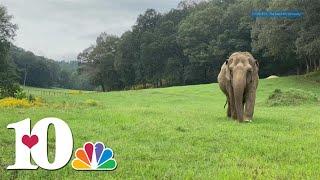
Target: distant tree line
(186, 45)
(38, 71)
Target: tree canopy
(8, 75)
(186, 45)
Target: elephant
(238, 80)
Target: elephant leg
(233, 112)
(229, 109)
(232, 106)
(249, 104)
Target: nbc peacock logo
(94, 157)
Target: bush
(20, 94)
(9, 90)
(20, 103)
(31, 98)
(314, 76)
(13, 102)
(291, 97)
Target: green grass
(291, 97)
(180, 133)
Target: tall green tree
(197, 35)
(147, 47)
(99, 62)
(8, 75)
(274, 39)
(124, 63)
(308, 41)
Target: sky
(60, 29)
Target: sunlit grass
(180, 132)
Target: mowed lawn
(180, 133)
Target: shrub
(291, 97)
(20, 103)
(31, 98)
(9, 90)
(314, 76)
(13, 102)
(20, 94)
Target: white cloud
(60, 29)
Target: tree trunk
(314, 65)
(307, 66)
(310, 64)
(25, 76)
(182, 78)
(103, 87)
(205, 72)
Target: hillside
(180, 132)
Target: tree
(188, 45)
(308, 41)
(275, 40)
(8, 75)
(99, 62)
(124, 63)
(197, 34)
(147, 47)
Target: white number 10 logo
(35, 143)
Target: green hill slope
(181, 132)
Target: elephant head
(241, 71)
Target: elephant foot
(247, 119)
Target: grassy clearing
(181, 132)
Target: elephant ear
(256, 62)
(228, 74)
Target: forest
(183, 46)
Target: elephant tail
(225, 104)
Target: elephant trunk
(239, 84)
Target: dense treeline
(38, 71)
(187, 45)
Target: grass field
(180, 133)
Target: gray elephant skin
(238, 80)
